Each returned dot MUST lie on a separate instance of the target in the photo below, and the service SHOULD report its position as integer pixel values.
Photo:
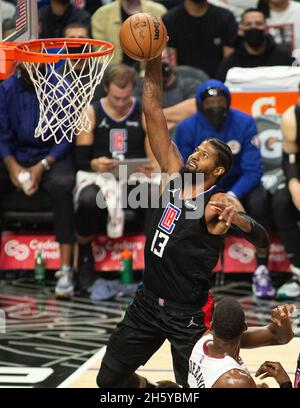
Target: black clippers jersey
(119, 139)
(180, 253)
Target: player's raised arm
(163, 148)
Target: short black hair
(251, 10)
(77, 25)
(228, 319)
(224, 155)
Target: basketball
(143, 36)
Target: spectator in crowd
(116, 133)
(201, 33)
(237, 7)
(49, 164)
(79, 30)
(255, 47)
(53, 18)
(283, 21)
(215, 118)
(107, 20)
(179, 82)
(289, 204)
(215, 361)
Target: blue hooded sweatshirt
(238, 131)
(19, 115)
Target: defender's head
(228, 320)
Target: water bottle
(297, 374)
(39, 270)
(126, 267)
(24, 178)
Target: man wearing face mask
(254, 47)
(215, 118)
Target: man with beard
(181, 250)
(254, 47)
(215, 118)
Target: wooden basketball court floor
(159, 367)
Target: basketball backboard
(21, 24)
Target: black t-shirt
(274, 54)
(118, 138)
(180, 253)
(199, 41)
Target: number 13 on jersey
(159, 243)
(167, 224)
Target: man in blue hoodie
(215, 119)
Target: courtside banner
(107, 251)
(239, 256)
(18, 251)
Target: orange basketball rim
(64, 97)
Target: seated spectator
(116, 133)
(49, 164)
(215, 361)
(283, 21)
(215, 118)
(201, 33)
(254, 47)
(53, 18)
(79, 30)
(107, 20)
(179, 82)
(237, 7)
(289, 205)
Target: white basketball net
(65, 94)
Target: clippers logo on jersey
(118, 141)
(171, 214)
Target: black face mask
(166, 71)
(216, 116)
(254, 37)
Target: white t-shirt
(236, 6)
(204, 371)
(285, 25)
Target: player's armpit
(235, 379)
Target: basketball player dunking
(181, 251)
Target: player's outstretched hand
(281, 313)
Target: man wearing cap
(215, 118)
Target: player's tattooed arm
(162, 147)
